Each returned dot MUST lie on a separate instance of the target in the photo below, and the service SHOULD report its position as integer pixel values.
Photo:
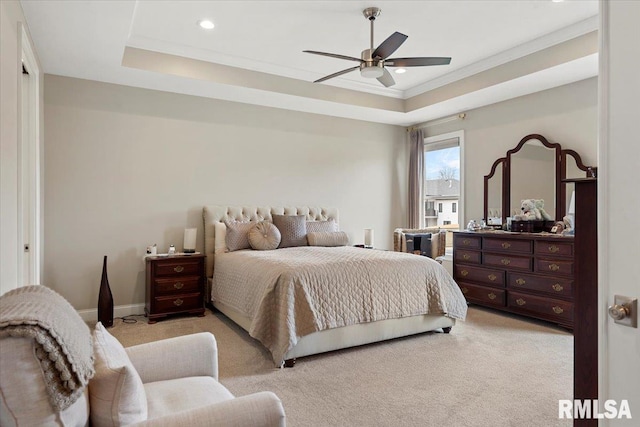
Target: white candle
(368, 237)
(189, 245)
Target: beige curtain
(416, 178)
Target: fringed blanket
(62, 339)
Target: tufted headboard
(220, 214)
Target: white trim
(603, 203)
(451, 135)
(567, 33)
(91, 315)
(31, 174)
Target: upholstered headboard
(220, 214)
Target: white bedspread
(289, 293)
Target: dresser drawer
(466, 242)
(177, 285)
(551, 285)
(555, 266)
(510, 262)
(178, 303)
(509, 245)
(483, 295)
(564, 249)
(182, 267)
(546, 308)
(478, 274)
(468, 257)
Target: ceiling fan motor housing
(371, 68)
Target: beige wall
(129, 167)
(566, 115)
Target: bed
(306, 300)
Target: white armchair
(179, 381)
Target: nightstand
(174, 284)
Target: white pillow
(220, 238)
(116, 390)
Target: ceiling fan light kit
(373, 62)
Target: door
(619, 202)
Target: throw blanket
(292, 292)
(62, 339)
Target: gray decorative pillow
(336, 238)
(321, 226)
(264, 236)
(238, 235)
(293, 229)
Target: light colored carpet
(492, 370)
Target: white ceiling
(254, 55)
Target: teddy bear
(540, 205)
(529, 211)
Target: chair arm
(262, 409)
(192, 355)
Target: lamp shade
(368, 237)
(190, 235)
(572, 204)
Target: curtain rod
(460, 116)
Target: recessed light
(400, 70)
(557, 1)
(206, 24)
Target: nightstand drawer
(179, 285)
(178, 303)
(482, 294)
(509, 262)
(182, 267)
(523, 246)
(547, 284)
(542, 307)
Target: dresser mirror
(535, 169)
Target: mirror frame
(561, 172)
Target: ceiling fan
(373, 62)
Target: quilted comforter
(292, 292)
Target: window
(443, 181)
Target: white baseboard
(119, 311)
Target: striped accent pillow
(336, 238)
(293, 229)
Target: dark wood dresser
(524, 273)
(174, 284)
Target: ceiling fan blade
(334, 55)
(386, 79)
(390, 45)
(339, 73)
(417, 62)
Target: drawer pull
(178, 285)
(505, 261)
(520, 301)
(178, 302)
(557, 287)
(466, 256)
(465, 290)
(491, 296)
(492, 277)
(178, 269)
(554, 267)
(464, 273)
(557, 310)
(520, 282)
(506, 245)
(553, 249)
(466, 241)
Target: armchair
(438, 240)
(163, 383)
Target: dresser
(174, 284)
(524, 273)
